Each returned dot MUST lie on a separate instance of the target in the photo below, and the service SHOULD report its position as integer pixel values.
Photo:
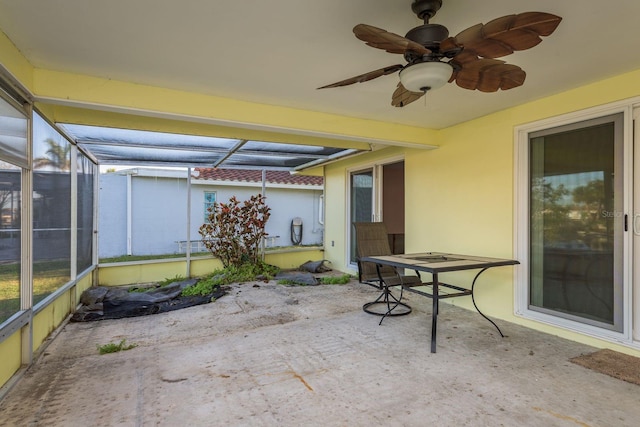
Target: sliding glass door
(577, 221)
(376, 193)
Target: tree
(57, 156)
(550, 211)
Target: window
(209, 200)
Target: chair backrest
(372, 239)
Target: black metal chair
(372, 239)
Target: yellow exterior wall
(205, 265)
(14, 62)
(127, 273)
(10, 354)
(49, 318)
(293, 258)
(83, 284)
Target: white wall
(112, 215)
(159, 212)
(285, 204)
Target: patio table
(436, 263)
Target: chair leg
(390, 302)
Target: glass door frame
(377, 168)
(521, 221)
(376, 205)
(635, 228)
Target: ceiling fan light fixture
(424, 76)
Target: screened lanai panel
(51, 209)
(114, 136)
(267, 161)
(85, 176)
(292, 149)
(142, 154)
(13, 135)
(10, 238)
(136, 147)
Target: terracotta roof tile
(253, 175)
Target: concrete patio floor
(275, 355)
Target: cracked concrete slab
(274, 355)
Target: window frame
(207, 204)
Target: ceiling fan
(433, 58)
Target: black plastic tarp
(100, 302)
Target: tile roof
(253, 175)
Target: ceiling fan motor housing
(425, 9)
(428, 35)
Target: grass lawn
(47, 277)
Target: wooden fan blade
(366, 76)
(391, 42)
(507, 34)
(401, 96)
(503, 77)
(542, 23)
(464, 57)
(448, 45)
(488, 75)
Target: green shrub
(160, 284)
(329, 280)
(336, 280)
(114, 348)
(168, 280)
(202, 288)
(232, 274)
(235, 230)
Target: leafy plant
(336, 280)
(201, 288)
(160, 284)
(329, 280)
(170, 280)
(232, 274)
(235, 230)
(114, 348)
